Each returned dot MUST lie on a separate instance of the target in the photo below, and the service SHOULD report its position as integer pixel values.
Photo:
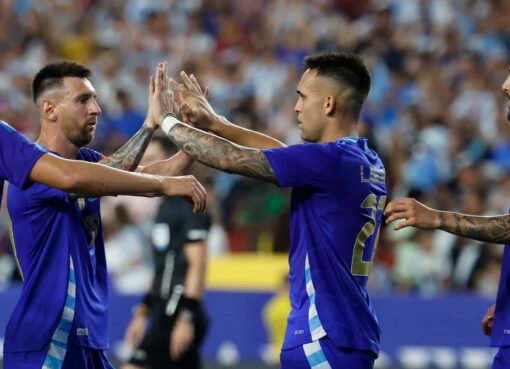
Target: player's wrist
(150, 124)
(189, 308)
(185, 315)
(218, 123)
(168, 122)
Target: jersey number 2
(358, 266)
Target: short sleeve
(17, 155)
(304, 165)
(196, 227)
(90, 155)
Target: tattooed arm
(494, 229)
(129, 155)
(221, 154)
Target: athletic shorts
(75, 358)
(154, 350)
(323, 354)
(502, 358)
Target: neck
(340, 130)
(55, 141)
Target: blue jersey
(501, 327)
(59, 246)
(17, 157)
(338, 196)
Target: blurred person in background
(173, 304)
(336, 179)
(67, 272)
(493, 229)
(127, 255)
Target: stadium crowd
(435, 112)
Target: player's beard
(81, 137)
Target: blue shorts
(75, 358)
(323, 354)
(502, 358)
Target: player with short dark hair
(61, 318)
(339, 193)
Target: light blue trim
(58, 344)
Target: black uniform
(175, 225)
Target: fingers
(192, 86)
(398, 205)
(199, 197)
(396, 216)
(176, 86)
(487, 324)
(196, 84)
(403, 224)
(152, 86)
(207, 93)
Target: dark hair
(52, 76)
(349, 71)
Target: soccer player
(493, 229)
(174, 303)
(338, 195)
(61, 318)
(22, 162)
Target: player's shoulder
(5, 127)
(88, 154)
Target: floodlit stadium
(437, 114)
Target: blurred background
(435, 113)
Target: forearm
(221, 154)
(196, 255)
(129, 155)
(494, 229)
(91, 179)
(176, 165)
(242, 136)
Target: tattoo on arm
(129, 155)
(494, 229)
(221, 154)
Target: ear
(48, 110)
(330, 105)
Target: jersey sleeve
(41, 194)
(196, 226)
(17, 156)
(90, 155)
(303, 165)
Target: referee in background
(174, 303)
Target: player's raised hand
(189, 188)
(161, 98)
(487, 320)
(413, 213)
(194, 106)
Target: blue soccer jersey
(59, 246)
(338, 196)
(17, 157)
(500, 336)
